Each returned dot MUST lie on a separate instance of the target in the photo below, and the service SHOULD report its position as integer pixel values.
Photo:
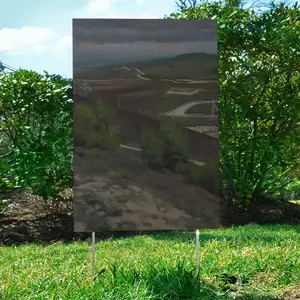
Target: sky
(106, 42)
(37, 34)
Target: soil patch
(28, 218)
(134, 197)
(262, 213)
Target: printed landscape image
(145, 125)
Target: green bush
(95, 127)
(36, 124)
(259, 96)
(292, 191)
(164, 149)
(153, 148)
(104, 140)
(175, 150)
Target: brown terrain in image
(114, 189)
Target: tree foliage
(165, 149)
(36, 132)
(95, 126)
(259, 78)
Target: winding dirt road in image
(181, 110)
(189, 81)
(141, 75)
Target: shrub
(94, 127)
(104, 140)
(36, 124)
(259, 96)
(164, 149)
(153, 148)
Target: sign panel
(146, 147)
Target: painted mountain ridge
(193, 66)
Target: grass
(250, 262)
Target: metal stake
(197, 251)
(93, 255)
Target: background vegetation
(36, 132)
(259, 108)
(259, 99)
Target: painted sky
(103, 42)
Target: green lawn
(259, 261)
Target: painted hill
(195, 66)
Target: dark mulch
(48, 228)
(275, 212)
(30, 219)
